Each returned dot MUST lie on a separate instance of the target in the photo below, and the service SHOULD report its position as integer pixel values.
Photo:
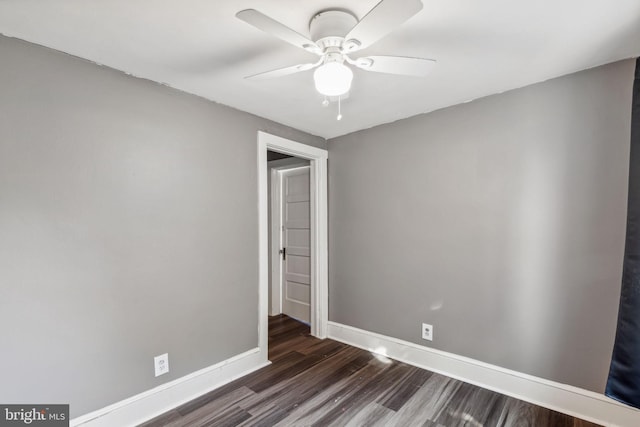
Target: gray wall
(500, 221)
(128, 228)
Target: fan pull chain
(325, 103)
(339, 109)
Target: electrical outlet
(161, 364)
(427, 332)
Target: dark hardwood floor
(314, 382)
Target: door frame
(275, 305)
(319, 233)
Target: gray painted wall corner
(128, 228)
(501, 222)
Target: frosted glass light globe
(333, 79)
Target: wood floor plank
(471, 405)
(266, 416)
(207, 398)
(372, 415)
(516, 412)
(339, 399)
(427, 403)
(404, 388)
(292, 364)
(577, 422)
(313, 382)
(324, 348)
(375, 384)
(229, 417)
(163, 419)
(289, 343)
(219, 411)
(294, 391)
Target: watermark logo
(34, 415)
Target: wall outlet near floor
(427, 332)
(161, 364)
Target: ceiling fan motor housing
(329, 28)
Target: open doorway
(289, 237)
(318, 257)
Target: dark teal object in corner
(624, 374)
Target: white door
(295, 250)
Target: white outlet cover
(427, 332)
(161, 364)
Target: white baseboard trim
(559, 397)
(151, 403)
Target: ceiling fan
(334, 35)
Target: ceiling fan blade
(384, 17)
(283, 71)
(275, 28)
(402, 65)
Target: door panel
(296, 238)
(297, 214)
(298, 292)
(299, 241)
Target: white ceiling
(198, 46)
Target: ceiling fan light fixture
(333, 79)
